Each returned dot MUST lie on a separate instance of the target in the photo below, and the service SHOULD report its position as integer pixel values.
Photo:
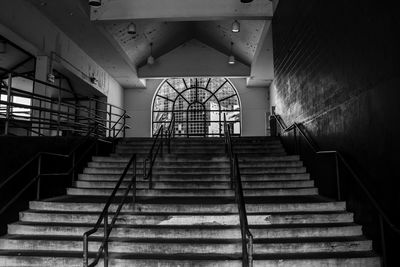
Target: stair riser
(77, 262)
(202, 150)
(195, 248)
(202, 154)
(169, 158)
(150, 233)
(172, 220)
(205, 165)
(196, 193)
(190, 185)
(192, 208)
(190, 171)
(197, 177)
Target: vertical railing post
(134, 182)
(59, 110)
(40, 117)
(295, 140)
(39, 173)
(250, 251)
(8, 107)
(85, 251)
(106, 239)
(124, 128)
(109, 121)
(73, 166)
(383, 241)
(338, 190)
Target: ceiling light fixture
(150, 59)
(246, 1)
(231, 59)
(236, 26)
(95, 3)
(132, 28)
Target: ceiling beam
(181, 10)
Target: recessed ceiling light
(231, 59)
(150, 59)
(236, 26)
(132, 28)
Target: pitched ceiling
(102, 33)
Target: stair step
(176, 232)
(202, 177)
(170, 158)
(198, 185)
(190, 171)
(204, 154)
(51, 259)
(197, 246)
(188, 219)
(194, 193)
(193, 208)
(205, 164)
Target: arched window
(199, 105)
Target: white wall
(254, 101)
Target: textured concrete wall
(254, 101)
(337, 71)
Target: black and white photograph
(199, 133)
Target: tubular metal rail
(160, 137)
(38, 158)
(236, 184)
(55, 113)
(338, 157)
(104, 217)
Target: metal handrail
(161, 137)
(383, 217)
(103, 249)
(151, 157)
(68, 116)
(38, 157)
(170, 132)
(236, 183)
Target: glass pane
(225, 91)
(162, 116)
(177, 84)
(213, 128)
(215, 83)
(212, 104)
(180, 116)
(190, 95)
(231, 116)
(181, 104)
(162, 104)
(202, 82)
(202, 95)
(190, 82)
(230, 104)
(167, 91)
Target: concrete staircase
(190, 217)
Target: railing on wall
(298, 133)
(53, 112)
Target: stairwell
(190, 217)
